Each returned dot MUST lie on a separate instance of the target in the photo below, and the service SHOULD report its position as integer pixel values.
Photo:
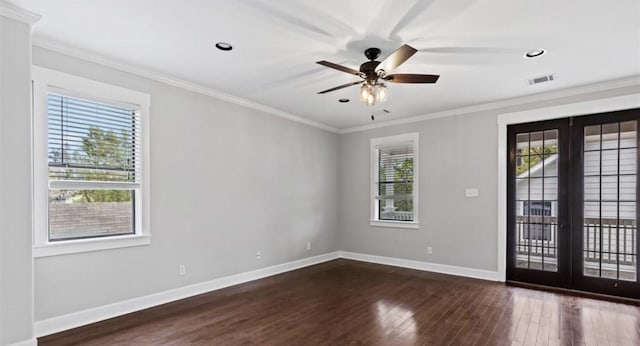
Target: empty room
(340, 172)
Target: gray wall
(16, 262)
(226, 182)
(456, 153)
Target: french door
(572, 203)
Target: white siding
(609, 166)
(531, 189)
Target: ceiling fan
(375, 73)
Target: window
(89, 155)
(394, 194)
(537, 208)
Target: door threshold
(577, 293)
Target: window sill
(88, 245)
(395, 224)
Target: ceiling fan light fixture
(366, 92)
(372, 94)
(381, 93)
(371, 100)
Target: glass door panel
(609, 204)
(536, 202)
(537, 173)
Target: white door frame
(562, 111)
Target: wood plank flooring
(346, 302)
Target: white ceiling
(477, 46)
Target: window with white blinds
(94, 155)
(90, 165)
(394, 185)
(92, 142)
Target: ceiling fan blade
(340, 87)
(339, 67)
(397, 58)
(411, 78)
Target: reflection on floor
(348, 302)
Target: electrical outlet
(429, 250)
(309, 246)
(182, 269)
(258, 255)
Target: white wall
(226, 181)
(456, 152)
(16, 264)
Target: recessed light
(534, 53)
(224, 46)
(343, 100)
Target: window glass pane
(627, 188)
(628, 134)
(77, 214)
(551, 165)
(592, 188)
(522, 142)
(522, 189)
(551, 141)
(592, 163)
(609, 188)
(395, 182)
(522, 165)
(610, 136)
(91, 141)
(628, 161)
(592, 137)
(609, 161)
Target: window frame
(46, 81)
(375, 143)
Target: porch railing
(397, 215)
(542, 236)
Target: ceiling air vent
(542, 79)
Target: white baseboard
(30, 342)
(426, 266)
(81, 318)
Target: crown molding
(16, 13)
(176, 82)
(585, 89)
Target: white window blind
(395, 181)
(92, 145)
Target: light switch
(471, 192)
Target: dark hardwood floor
(348, 302)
